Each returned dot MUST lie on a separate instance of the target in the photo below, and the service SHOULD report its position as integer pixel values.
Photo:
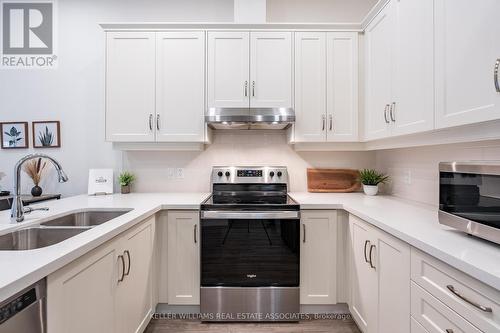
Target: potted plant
(126, 178)
(35, 170)
(370, 179)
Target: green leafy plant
(46, 138)
(372, 177)
(126, 178)
(14, 136)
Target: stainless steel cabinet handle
(253, 88)
(331, 123)
(393, 112)
(246, 89)
(150, 122)
(123, 268)
(304, 233)
(371, 261)
(449, 330)
(474, 304)
(364, 250)
(495, 75)
(323, 122)
(129, 262)
(195, 233)
(158, 122)
(385, 113)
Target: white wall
(422, 163)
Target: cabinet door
(412, 106)
(271, 69)
(318, 257)
(130, 86)
(379, 37)
(180, 86)
(228, 69)
(466, 41)
(135, 292)
(342, 86)
(310, 86)
(391, 259)
(364, 284)
(183, 258)
(81, 295)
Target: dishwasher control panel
(17, 305)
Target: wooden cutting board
(332, 180)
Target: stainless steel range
(250, 240)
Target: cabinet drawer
(434, 316)
(438, 279)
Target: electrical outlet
(170, 173)
(179, 173)
(407, 177)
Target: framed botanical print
(14, 135)
(46, 134)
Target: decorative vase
(125, 189)
(36, 191)
(370, 189)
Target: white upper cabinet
(310, 86)
(342, 86)
(130, 86)
(271, 69)
(467, 48)
(228, 69)
(180, 86)
(379, 43)
(413, 71)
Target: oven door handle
(245, 215)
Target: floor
(308, 326)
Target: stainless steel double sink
(57, 230)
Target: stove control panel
(258, 175)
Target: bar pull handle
(246, 89)
(371, 261)
(123, 268)
(195, 233)
(158, 122)
(449, 330)
(495, 75)
(323, 122)
(385, 114)
(331, 123)
(463, 298)
(150, 122)
(393, 112)
(364, 250)
(304, 233)
(129, 262)
(253, 88)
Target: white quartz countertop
(418, 225)
(413, 223)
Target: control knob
(219, 173)
(271, 174)
(280, 174)
(228, 174)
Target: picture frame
(14, 135)
(46, 134)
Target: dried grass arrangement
(35, 169)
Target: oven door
(250, 249)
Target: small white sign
(100, 181)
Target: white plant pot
(370, 189)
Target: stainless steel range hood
(250, 118)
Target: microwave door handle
(244, 215)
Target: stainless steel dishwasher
(25, 311)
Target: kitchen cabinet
(399, 70)
(467, 51)
(318, 257)
(249, 69)
(326, 86)
(130, 86)
(180, 86)
(183, 257)
(155, 86)
(380, 275)
(111, 285)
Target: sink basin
(87, 218)
(35, 238)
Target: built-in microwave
(469, 198)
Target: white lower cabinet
(183, 258)
(318, 257)
(380, 275)
(107, 290)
